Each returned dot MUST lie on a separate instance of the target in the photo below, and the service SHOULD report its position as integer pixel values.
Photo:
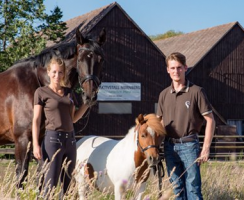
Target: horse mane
(154, 122)
(65, 50)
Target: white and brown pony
(111, 165)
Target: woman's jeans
(66, 144)
(186, 178)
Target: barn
(134, 75)
(215, 59)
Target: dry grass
(220, 180)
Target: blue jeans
(182, 156)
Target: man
(184, 107)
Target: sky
(159, 16)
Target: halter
(89, 76)
(146, 148)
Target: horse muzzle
(90, 85)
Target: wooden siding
(221, 73)
(130, 57)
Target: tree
(24, 29)
(168, 34)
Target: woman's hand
(37, 152)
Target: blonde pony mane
(155, 123)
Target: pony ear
(102, 37)
(141, 119)
(79, 37)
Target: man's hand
(204, 156)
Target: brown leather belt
(189, 138)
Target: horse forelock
(154, 122)
(94, 46)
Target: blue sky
(158, 16)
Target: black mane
(65, 50)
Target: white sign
(115, 91)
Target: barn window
(155, 107)
(115, 108)
(239, 125)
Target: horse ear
(102, 37)
(141, 119)
(79, 37)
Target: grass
(221, 180)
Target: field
(221, 180)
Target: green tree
(25, 28)
(168, 34)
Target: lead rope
(87, 116)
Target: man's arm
(209, 132)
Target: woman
(60, 114)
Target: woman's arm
(77, 114)
(36, 123)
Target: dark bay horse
(83, 59)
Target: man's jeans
(186, 178)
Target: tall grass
(220, 181)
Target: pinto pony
(107, 163)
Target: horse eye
(143, 135)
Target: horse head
(150, 134)
(89, 64)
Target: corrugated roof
(194, 45)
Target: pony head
(150, 134)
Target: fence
(223, 147)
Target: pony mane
(154, 122)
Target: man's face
(176, 70)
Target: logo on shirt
(187, 103)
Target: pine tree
(24, 29)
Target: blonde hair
(60, 63)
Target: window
(115, 108)
(239, 125)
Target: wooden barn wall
(221, 73)
(130, 57)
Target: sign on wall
(116, 91)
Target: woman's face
(56, 73)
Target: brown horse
(83, 58)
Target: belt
(61, 134)
(189, 138)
